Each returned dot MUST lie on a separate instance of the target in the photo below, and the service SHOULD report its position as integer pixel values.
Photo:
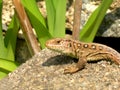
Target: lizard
(83, 51)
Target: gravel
(7, 12)
(45, 72)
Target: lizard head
(61, 45)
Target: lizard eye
(58, 42)
(69, 45)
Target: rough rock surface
(45, 72)
(110, 26)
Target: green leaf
(56, 10)
(2, 48)
(11, 34)
(31, 7)
(3, 73)
(37, 21)
(89, 31)
(10, 39)
(50, 16)
(8, 65)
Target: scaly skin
(83, 51)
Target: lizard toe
(71, 70)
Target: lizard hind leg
(80, 65)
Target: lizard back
(77, 49)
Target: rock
(45, 72)
(110, 26)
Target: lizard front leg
(80, 65)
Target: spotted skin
(83, 51)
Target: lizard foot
(71, 70)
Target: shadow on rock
(59, 60)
